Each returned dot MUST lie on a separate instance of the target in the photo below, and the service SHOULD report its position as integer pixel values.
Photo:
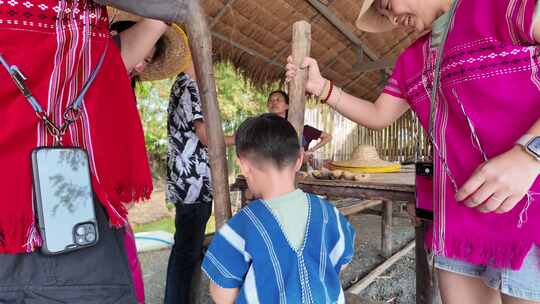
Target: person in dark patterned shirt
(188, 184)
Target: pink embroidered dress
(489, 97)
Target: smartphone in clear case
(63, 199)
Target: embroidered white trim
(236, 241)
(250, 287)
(273, 257)
(339, 248)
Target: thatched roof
(255, 35)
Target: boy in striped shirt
(288, 246)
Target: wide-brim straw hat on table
(176, 57)
(365, 159)
(370, 20)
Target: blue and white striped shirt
(252, 253)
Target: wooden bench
(351, 206)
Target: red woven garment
(57, 44)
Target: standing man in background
(188, 185)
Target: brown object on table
(337, 174)
(348, 175)
(321, 174)
(301, 48)
(361, 177)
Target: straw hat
(176, 57)
(365, 159)
(370, 20)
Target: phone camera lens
(81, 240)
(81, 230)
(90, 237)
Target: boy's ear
(300, 160)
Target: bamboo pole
(201, 50)
(301, 48)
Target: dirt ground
(397, 285)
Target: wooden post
(301, 48)
(201, 49)
(426, 288)
(387, 228)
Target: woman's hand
(499, 184)
(315, 81)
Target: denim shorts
(522, 284)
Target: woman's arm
(324, 139)
(385, 111)
(138, 41)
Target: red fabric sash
(57, 44)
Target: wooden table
(389, 188)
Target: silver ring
(497, 199)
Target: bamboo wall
(395, 143)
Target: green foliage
(152, 101)
(237, 99)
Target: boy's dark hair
(268, 137)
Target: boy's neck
(277, 184)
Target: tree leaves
(237, 98)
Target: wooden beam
(301, 48)
(287, 48)
(201, 50)
(364, 67)
(247, 50)
(221, 13)
(427, 291)
(342, 27)
(367, 280)
(358, 207)
(386, 226)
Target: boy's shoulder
(242, 217)
(325, 204)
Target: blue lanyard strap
(19, 79)
(437, 71)
(72, 112)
